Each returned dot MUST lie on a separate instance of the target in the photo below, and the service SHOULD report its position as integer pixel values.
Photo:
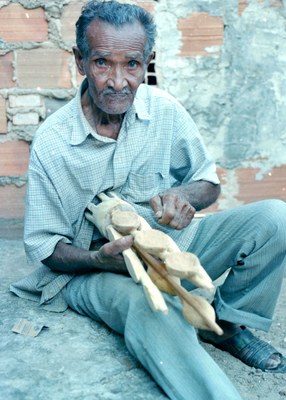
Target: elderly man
(119, 134)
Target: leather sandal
(250, 350)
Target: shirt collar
(140, 104)
(81, 128)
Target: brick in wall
(242, 4)
(272, 185)
(3, 118)
(26, 101)
(14, 158)
(6, 71)
(71, 12)
(28, 118)
(147, 5)
(200, 31)
(12, 200)
(18, 24)
(43, 68)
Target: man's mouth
(121, 93)
(118, 97)
(117, 94)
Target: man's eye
(133, 64)
(100, 62)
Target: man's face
(115, 66)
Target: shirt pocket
(141, 188)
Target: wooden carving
(166, 263)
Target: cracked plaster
(236, 97)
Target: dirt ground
(253, 384)
(78, 359)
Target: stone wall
(224, 60)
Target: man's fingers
(157, 205)
(182, 219)
(116, 247)
(164, 208)
(177, 212)
(111, 254)
(168, 213)
(172, 207)
(172, 210)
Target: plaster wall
(223, 60)
(235, 89)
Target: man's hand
(176, 207)
(173, 209)
(74, 260)
(110, 255)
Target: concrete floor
(75, 358)
(79, 359)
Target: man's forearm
(70, 259)
(200, 194)
(67, 258)
(176, 206)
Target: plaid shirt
(158, 147)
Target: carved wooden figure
(166, 263)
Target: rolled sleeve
(46, 222)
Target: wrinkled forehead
(103, 36)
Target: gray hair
(116, 14)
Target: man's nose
(117, 79)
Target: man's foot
(242, 344)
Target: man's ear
(149, 59)
(79, 60)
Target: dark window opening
(150, 77)
(151, 80)
(151, 67)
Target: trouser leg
(166, 346)
(251, 241)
